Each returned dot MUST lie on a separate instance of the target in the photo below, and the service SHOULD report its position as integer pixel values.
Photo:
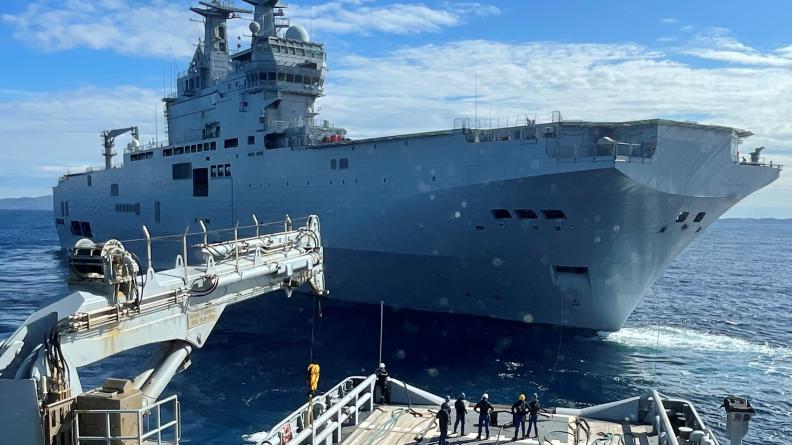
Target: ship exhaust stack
(108, 141)
(738, 415)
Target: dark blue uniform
(443, 419)
(461, 411)
(483, 408)
(518, 410)
(533, 417)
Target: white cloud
(158, 28)
(718, 44)
(669, 21)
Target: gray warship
(559, 222)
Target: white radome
(297, 32)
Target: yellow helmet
(522, 396)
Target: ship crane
(108, 142)
(119, 304)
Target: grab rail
(662, 423)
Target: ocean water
(717, 322)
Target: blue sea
(716, 323)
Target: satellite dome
(254, 27)
(297, 32)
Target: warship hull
(504, 227)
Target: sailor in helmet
(443, 419)
(518, 409)
(533, 415)
(383, 385)
(461, 410)
(484, 408)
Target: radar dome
(254, 27)
(297, 32)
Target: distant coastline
(27, 203)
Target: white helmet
(382, 366)
(485, 396)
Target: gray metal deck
(401, 425)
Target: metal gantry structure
(120, 303)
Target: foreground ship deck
(347, 414)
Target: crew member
(443, 419)
(483, 407)
(461, 410)
(518, 409)
(533, 415)
(383, 384)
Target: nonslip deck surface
(397, 425)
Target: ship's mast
(215, 51)
(264, 15)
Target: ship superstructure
(562, 222)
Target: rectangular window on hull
(251, 140)
(343, 163)
(500, 213)
(200, 182)
(76, 229)
(554, 214)
(86, 229)
(682, 217)
(182, 170)
(571, 269)
(113, 189)
(699, 216)
(231, 143)
(156, 211)
(526, 214)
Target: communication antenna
(475, 122)
(156, 125)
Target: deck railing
(321, 422)
(144, 435)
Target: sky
(75, 67)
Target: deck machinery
(119, 304)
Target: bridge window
(213, 146)
(271, 75)
(167, 152)
(214, 171)
(231, 143)
(500, 213)
(178, 150)
(228, 169)
(182, 170)
(113, 189)
(699, 216)
(526, 214)
(682, 217)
